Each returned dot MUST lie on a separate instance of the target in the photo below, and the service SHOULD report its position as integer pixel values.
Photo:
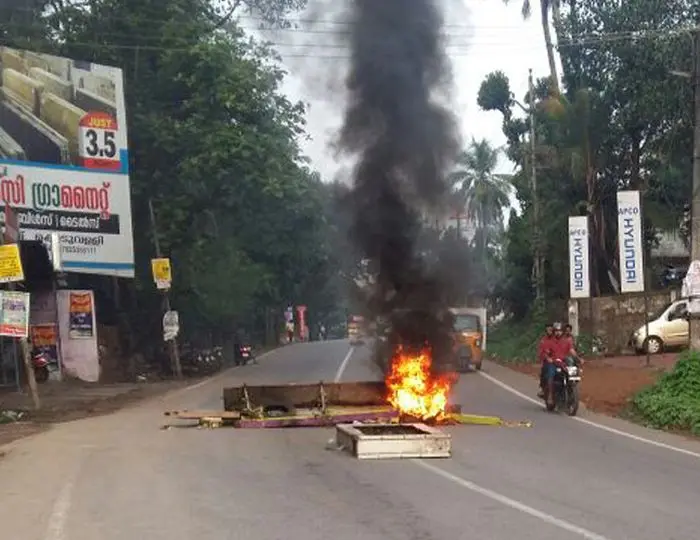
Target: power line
(471, 30)
(309, 48)
(467, 48)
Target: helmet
(557, 326)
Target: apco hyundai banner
(579, 266)
(629, 223)
(64, 159)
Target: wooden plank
(317, 421)
(199, 414)
(294, 396)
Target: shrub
(514, 342)
(589, 345)
(674, 401)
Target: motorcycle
(245, 355)
(201, 362)
(564, 390)
(41, 365)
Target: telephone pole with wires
(695, 201)
(538, 267)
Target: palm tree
(545, 7)
(480, 192)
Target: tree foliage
(214, 149)
(622, 121)
(481, 192)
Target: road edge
(522, 385)
(44, 427)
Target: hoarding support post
(172, 344)
(646, 279)
(646, 322)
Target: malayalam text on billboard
(64, 158)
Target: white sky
(484, 36)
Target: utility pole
(172, 344)
(695, 203)
(538, 267)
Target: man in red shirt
(554, 346)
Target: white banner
(90, 211)
(579, 264)
(64, 161)
(629, 234)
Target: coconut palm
(546, 6)
(480, 192)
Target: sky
(483, 36)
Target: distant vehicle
(41, 364)
(672, 275)
(468, 335)
(468, 340)
(356, 330)
(667, 328)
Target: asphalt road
(121, 477)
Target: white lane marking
(602, 427)
(512, 503)
(343, 365)
(59, 514)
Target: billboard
(64, 159)
(629, 234)
(579, 265)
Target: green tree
(213, 145)
(482, 193)
(622, 122)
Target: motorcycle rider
(572, 345)
(558, 347)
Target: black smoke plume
(405, 142)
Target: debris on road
(393, 441)
(205, 418)
(319, 405)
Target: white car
(668, 328)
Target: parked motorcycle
(201, 362)
(565, 391)
(41, 364)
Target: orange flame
(413, 391)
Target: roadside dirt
(610, 383)
(64, 402)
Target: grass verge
(673, 403)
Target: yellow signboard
(10, 264)
(162, 273)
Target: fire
(413, 390)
